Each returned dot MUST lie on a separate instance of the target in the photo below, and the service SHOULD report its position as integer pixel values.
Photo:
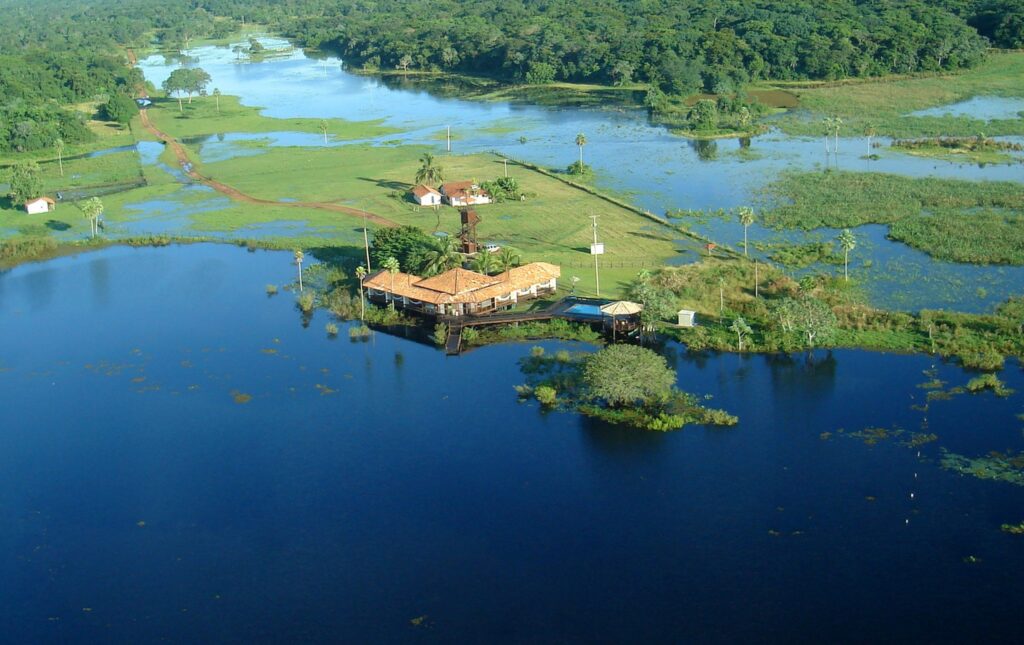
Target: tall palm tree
(581, 140)
(361, 275)
(484, 262)
(747, 218)
(58, 145)
(390, 264)
(429, 174)
(442, 255)
(92, 209)
(508, 259)
(323, 128)
(871, 131)
(299, 257)
(216, 97)
(847, 242)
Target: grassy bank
(883, 104)
(202, 117)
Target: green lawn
(553, 224)
(202, 117)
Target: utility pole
(366, 244)
(506, 166)
(596, 249)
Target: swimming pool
(585, 311)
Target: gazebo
(619, 310)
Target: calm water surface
(145, 496)
(657, 170)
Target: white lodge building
(465, 193)
(460, 292)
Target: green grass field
(883, 103)
(202, 117)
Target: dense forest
(55, 53)
(678, 45)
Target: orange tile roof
(460, 285)
(422, 191)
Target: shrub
(440, 334)
(271, 289)
(306, 301)
(332, 329)
(546, 395)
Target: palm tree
(58, 145)
(484, 262)
(747, 218)
(847, 242)
(216, 97)
(508, 259)
(299, 257)
(390, 264)
(826, 125)
(360, 275)
(442, 255)
(91, 210)
(429, 174)
(581, 140)
(323, 128)
(832, 125)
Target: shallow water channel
(179, 455)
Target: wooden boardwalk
(560, 309)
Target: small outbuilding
(40, 205)
(426, 196)
(687, 318)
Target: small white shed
(687, 318)
(426, 196)
(40, 205)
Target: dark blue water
(366, 485)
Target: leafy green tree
(628, 375)
(26, 182)
(658, 303)
(704, 115)
(407, 244)
(176, 83)
(741, 329)
(814, 319)
(198, 79)
(429, 173)
(581, 140)
(120, 108)
(92, 210)
(847, 242)
(746, 215)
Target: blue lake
(655, 169)
(145, 496)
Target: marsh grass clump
(271, 289)
(306, 301)
(331, 329)
(546, 395)
(359, 332)
(1013, 529)
(440, 335)
(988, 382)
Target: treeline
(680, 46)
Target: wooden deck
(560, 309)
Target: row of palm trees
(847, 240)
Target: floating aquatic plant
(1006, 467)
